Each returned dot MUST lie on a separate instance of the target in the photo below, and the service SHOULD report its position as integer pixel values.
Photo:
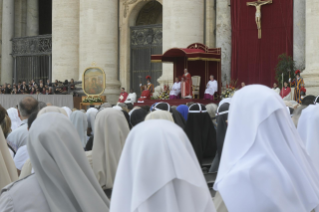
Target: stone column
(223, 37)
(183, 24)
(65, 39)
(99, 41)
(311, 74)
(17, 18)
(33, 17)
(7, 35)
(300, 33)
(1, 3)
(210, 23)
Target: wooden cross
(258, 4)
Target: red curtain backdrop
(254, 60)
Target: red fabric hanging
(254, 60)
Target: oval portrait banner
(93, 81)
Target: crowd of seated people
(39, 88)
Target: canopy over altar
(199, 61)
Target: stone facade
(300, 34)
(223, 37)
(311, 74)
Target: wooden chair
(196, 86)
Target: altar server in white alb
(176, 90)
(131, 97)
(211, 89)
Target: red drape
(254, 60)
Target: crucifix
(258, 4)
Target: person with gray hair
(19, 136)
(41, 105)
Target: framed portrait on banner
(93, 81)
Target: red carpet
(176, 102)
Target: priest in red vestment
(285, 92)
(123, 96)
(186, 88)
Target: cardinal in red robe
(146, 94)
(123, 96)
(186, 89)
(285, 92)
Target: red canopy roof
(193, 52)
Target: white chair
(196, 86)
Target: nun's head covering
(91, 115)
(183, 110)
(138, 116)
(5, 122)
(127, 117)
(159, 174)
(309, 133)
(105, 105)
(201, 132)
(52, 109)
(61, 167)
(79, 120)
(221, 133)
(68, 111)
(211, 109)
(116, 107)
(163, 115)
(8, 171)
(111, 130)
(15, 119)
(262, 143)
(177, 117)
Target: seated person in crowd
(123, 96)
(176, 90)
(131, 99)
(8, 89)
(211, 89)
(14, 91)
(146, 94)
(285, 92)
(276, 89)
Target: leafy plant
(285, 64)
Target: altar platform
(176, 102)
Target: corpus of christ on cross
(258, 4)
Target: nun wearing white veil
(264, 165)
(68, 111)
(63, 179)
(79, 120)
(15, 119)
(91, 116)
(309, 133)
(161, 173)
(8, 171)
(163, 115)
(110, 133)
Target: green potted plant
(285, 64)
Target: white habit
(264, 166)
(160, 174)
(211, 87)
(277, 90)
(176, 89)
(19, 136)
(131, 98)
